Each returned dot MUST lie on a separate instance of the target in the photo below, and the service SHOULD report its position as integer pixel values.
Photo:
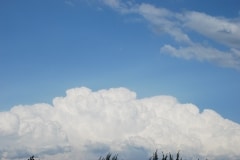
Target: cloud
(70, 3)
(89, 124)
(222, 30)
(202, 53)
(163, 20)
(218, 31)
(118, 5)
(112, 3)
(29, 129)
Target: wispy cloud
(118, 5)
(86, 124)
(203, 53)
(70, 3)
(223, 31)
(163, 20)
(113, 3)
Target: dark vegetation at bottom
(155, 156)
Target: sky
(167, 52)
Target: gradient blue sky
(49, 46)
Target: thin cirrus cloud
(89, 124)
(223, 31)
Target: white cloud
(30, 129)
(90, 124)
(196, 51)
(220, 30)
(164, 21)
(223, 31)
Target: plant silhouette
(109, 157)
(31, 158)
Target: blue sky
(183, 48)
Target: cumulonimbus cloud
(89, 124)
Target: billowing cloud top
(87, 124)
